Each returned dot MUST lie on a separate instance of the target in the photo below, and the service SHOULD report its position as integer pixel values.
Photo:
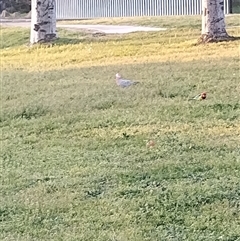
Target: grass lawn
(75, 165)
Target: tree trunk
(213, 21)
(43, 23)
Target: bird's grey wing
(125, 82)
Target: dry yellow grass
(173, 45)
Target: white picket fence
(80, 9)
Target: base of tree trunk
(207, 38)
(47, 41)
(48, 38)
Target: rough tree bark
(43, 23)
(213, 21)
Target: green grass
(75, 165)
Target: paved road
(108, 29)
(111, 29)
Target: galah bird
(201, 96)
(124, 82)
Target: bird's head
(118, 76)
(204, 95)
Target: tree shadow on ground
(21, 37)
(91, 37)
(76, 36)
(207, 40)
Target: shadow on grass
(206, 40)
(66, 41)
(76, 91)
(12, 37)
(93, 37)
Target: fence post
(230, 6)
